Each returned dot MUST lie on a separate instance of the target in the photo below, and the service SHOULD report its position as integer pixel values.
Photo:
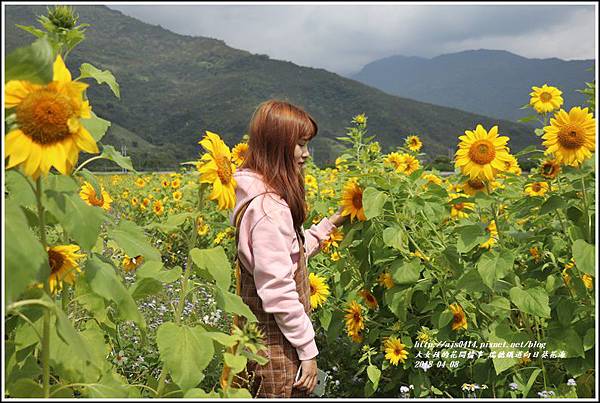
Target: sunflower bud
(63, 17)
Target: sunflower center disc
(536, 187)
(56, 260)
(482, 152)
(43, 116)
(357, 201)
(94, 200)
(459, 206)
(224, 170)
(545, 97)
(476, 184)
(570, 138)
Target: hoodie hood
(249, 184)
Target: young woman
(273, 246)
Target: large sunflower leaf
(32, 63)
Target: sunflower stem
(84, 163)
(46, 323)
(587, 213)
(494, 211)
(184, 282)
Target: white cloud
(344, 37)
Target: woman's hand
(337, 218)
(308, 379)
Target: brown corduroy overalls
(275, 378)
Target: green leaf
(499, 335)
(553, 203)
(132, 240)
(406, 272)
(80, 220)
(527, 119)
(225, 339)
(173, 223)
(445, 317)
(32, 63)
(566, 339)
(373, 201)
(152, 269)
(533, 301)
(374, 374)
(25, 388)
(145, 287)
(104, 281)
(494, 265)
(215, 262)
(394, 237)
(185, 351)
(25, 259)
(34, 31)
(237, 363)
(469, 236)
(96, 126)
(584, 255)
(197, 393)
(19, 189)
(101, 76)
(235, 393)
(110, 153)
(232, 303)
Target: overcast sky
(344, 37)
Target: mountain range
(488, 82)
(175, 87)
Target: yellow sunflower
(177, 195)
(411, 164)
(218, 170)
(549, 169)
(512, 165)
(310, 181)
(335, 256)
(134, 201)
(396, 160)
(413, 143)
(360, 119)
(238, 153)
(175, 183)
(352, 201)
(356, 337)
(132, 263)
(165, 183)
(588, 281)
(48, 117)
(354, 318)
(145, 203)
(535, 253)
(158, 207)
(432, 178)
(571, 137)
(395, 351)
(460, 320)
(385, 280)
(481, 154)
(369, 299)
(545, 99)
(536, 189)
(493, 231)
(319, 291)
(140, 182)
(473, 186)
(460, 209)
(334, 237)
(88, 194)
(63, 265)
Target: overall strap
(238, 220)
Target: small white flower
(571, 382)
(404, 389)
(513, 386)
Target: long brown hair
(275, 129)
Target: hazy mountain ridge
(174, 87)
(490, 82)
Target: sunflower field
(481, 283)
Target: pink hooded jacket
(268, 247)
